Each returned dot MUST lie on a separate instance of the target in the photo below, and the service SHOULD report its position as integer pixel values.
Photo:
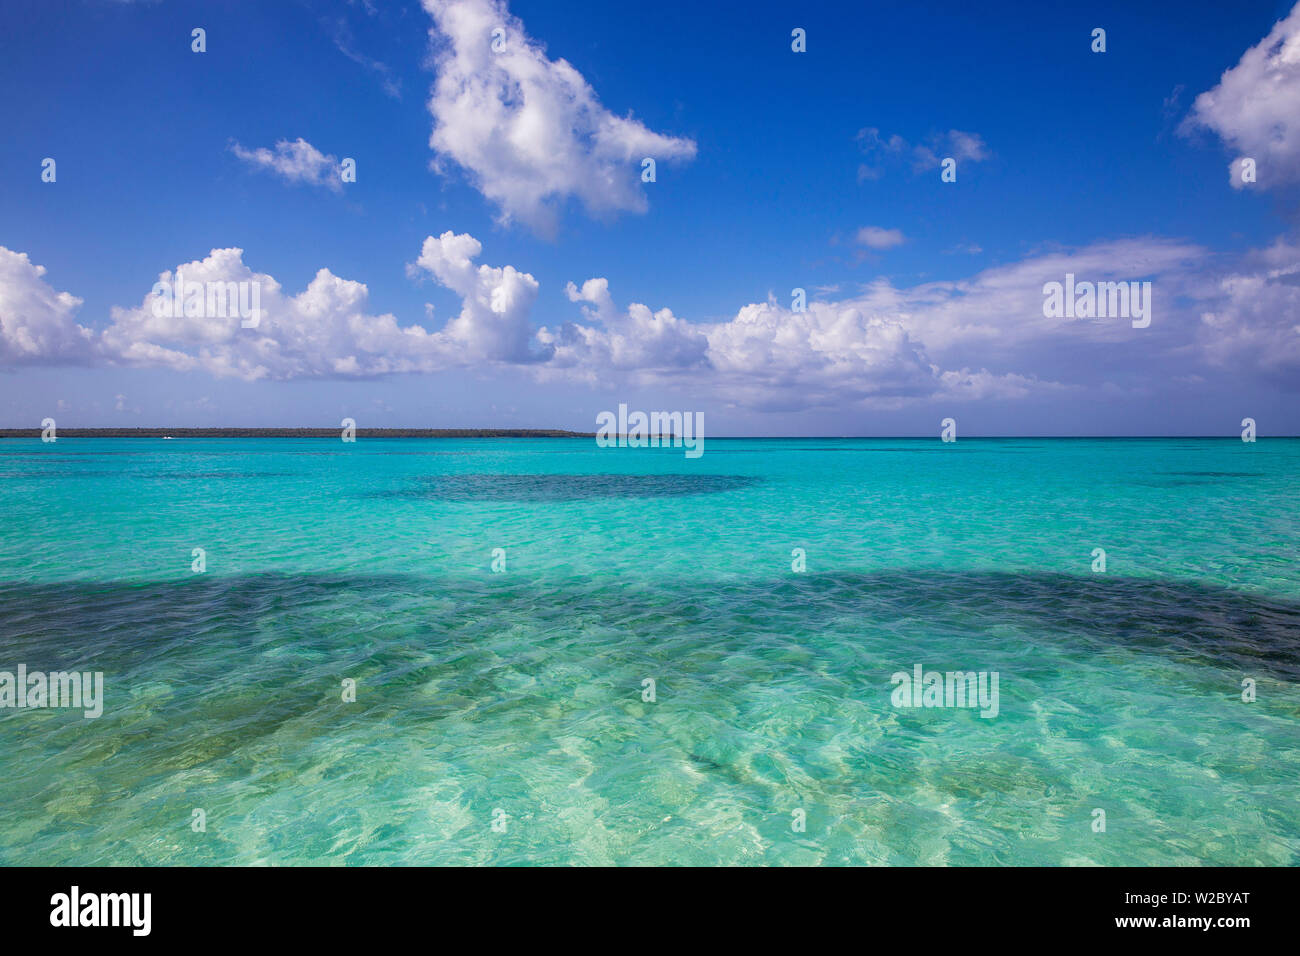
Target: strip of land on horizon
(297, 433)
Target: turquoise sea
(517, 695)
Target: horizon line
(289, 431)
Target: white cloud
(834, 353)
(328, 330)
(529, 130)
(984, 337)
(999, 311)
(493, 322)
(1251, 316)
(296, 162)
(637, 340)
(37, 325)
(1255, 109)
(767, 357)
(874, 237)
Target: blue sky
(776, 170)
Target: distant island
(297, 433)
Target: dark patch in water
(209, 676)
(294, 635)
(551, 488)
(125, 623)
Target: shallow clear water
(522, 690)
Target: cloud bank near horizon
(882, 346)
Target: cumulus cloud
(296, 162)
(636, 340)
(530, 131)
(493, 322)
(1255, 109)
(325, 330)
(328, 330)
(770, 357)
(37, 324)
(983, 337)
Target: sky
(499, 258)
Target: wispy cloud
(295, 162)
(880, 152)
(874, 237)
(343, 39)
